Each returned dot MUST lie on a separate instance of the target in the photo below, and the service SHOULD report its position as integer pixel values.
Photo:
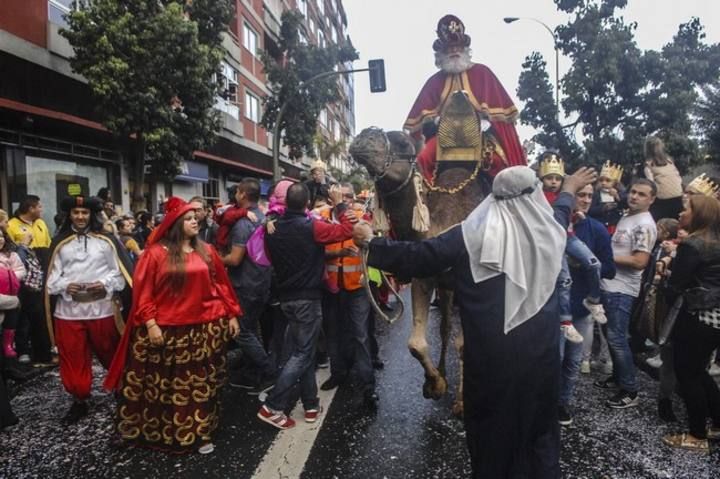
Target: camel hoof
(458, 409)
(435, 387)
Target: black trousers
(32, 327)
(693, 343)
(6, 414)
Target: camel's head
(374, 149)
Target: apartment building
(51, 141)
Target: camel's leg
(435, 385)
(446, 308)
(459, 406)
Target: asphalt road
(408, 436)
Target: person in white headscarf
(505, 258)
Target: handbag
(666, 328)
(34, 275)
(652, 311)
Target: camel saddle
(459, 136)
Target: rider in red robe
(486, 94)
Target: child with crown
(552, 173)
(609, 201)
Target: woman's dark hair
(120, 223)
(176, 256)
(144, 217)
(655, 151)
(705, 221)
(9, 246)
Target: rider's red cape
(487, 96)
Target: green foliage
(708, 120)
(357, 176)
(614, 94)
(139, 55)
(286, 76)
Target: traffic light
(377, 75)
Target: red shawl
(206, 296)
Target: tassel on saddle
(421, 214)
(380, 222)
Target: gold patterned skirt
(169, 394)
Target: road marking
(286, 457)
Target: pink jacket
(12, 261)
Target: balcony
(272, 11)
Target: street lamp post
(377, 83)
(557, 56)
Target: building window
(323, 118)
(57, 9)
(211, 189)
(333, 32)
(311, 24)
(250, 39)
(303, 7)
(321, 39)
(227, 99)
(321, 6)
(252, 107)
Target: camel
(389, 159)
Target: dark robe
(511, 380)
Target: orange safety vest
(349, 266)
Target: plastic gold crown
(611, 171)
(318, 165)
(704, 185)
(552, 165)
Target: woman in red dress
(171, 363)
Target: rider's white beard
(454, 65)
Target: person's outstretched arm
(412, 259)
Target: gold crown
(552, 165)
(704, 185)
(611, 171)
(318, 165)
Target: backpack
(33, 271)
(9, 283)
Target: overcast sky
(402, 32)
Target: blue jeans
(248, 339)
(618, 307)
(589, 267)
(304, 321)
(354, 340)
(571, 355)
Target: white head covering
(513, 231)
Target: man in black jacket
(298, 256)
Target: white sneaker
(596, 311)
(654, 362)
(24, 359)
(208, 448)
(571, 334)
(585, 367)
(714, 369)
